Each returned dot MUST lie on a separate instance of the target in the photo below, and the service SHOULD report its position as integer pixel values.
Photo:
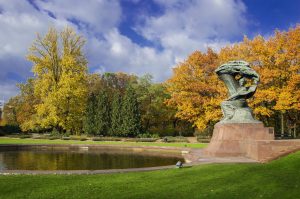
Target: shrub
(147, 135)
(24, 136)
(146, 139)
(78, 138)
(2, 133)
(41, 137)
(13, 135)
(175, 139)
(54, 137)
(10, 129)
(106, 139)
(55, 132)
(203, 138)
(75, 137)
(141, 139)
(65, 138)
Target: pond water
(57, 159)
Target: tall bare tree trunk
(282, 124)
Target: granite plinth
(250, 140)
(234, 139)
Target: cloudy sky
(135, 36)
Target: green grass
(278, 179)
(4, 140)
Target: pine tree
(116, 117)
(102, 115)
(89, 122)
(131, 125)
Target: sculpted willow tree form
(60, 70)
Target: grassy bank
(4, 140)
(278, 179)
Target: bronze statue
(235, 75)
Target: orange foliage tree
(195, 89)
(196, 92)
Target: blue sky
(135, 36)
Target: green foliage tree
(116, 115)
(102, 114)
(131, 125)
(89, 122)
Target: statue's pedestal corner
(231, 138)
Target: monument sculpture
(237, 131)
(241, 82)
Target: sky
(135, 36)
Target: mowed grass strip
(4, 140)
(277, 179)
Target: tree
(131, 125)
(10, 111)
(102, 114)
(60, 70)
(89, 122)
(26, 110)
(195, 90)
(116, 115)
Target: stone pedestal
(237, 139)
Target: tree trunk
(282, 124)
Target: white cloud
(7, 91)
(194, 24)
(183, 27)
(97, 15)
(118, 53)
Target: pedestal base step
(251, 140)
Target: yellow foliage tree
(60, 68)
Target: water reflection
(35, 159)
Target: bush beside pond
(141, 139)
(175, 139)
(106, 139)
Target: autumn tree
(10, 111)
(60, 70)
(195, 90)
(276, 59)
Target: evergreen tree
(131, 125)
(89, 122)
(116, 117)
(102, 115)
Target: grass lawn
(4, 140)
(278, 179)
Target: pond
(81, 158)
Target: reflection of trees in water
(68, 160)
